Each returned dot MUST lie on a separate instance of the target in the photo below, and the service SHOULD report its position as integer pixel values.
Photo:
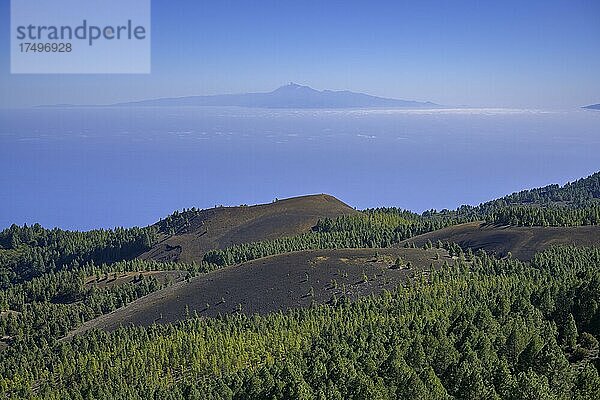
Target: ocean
(85, 168)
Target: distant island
(288, 96)
(592, 107)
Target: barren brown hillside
(277, 283)
(522, 242)
(221, 227)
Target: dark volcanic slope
(220, 227)
(522, 242)
(276, 283)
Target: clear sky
(540, 54)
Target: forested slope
(487, 328)
(582, 194)
(476, 326)
(30, 251)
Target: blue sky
(540, 54)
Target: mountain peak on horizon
(293, 86)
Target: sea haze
(83, 168)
